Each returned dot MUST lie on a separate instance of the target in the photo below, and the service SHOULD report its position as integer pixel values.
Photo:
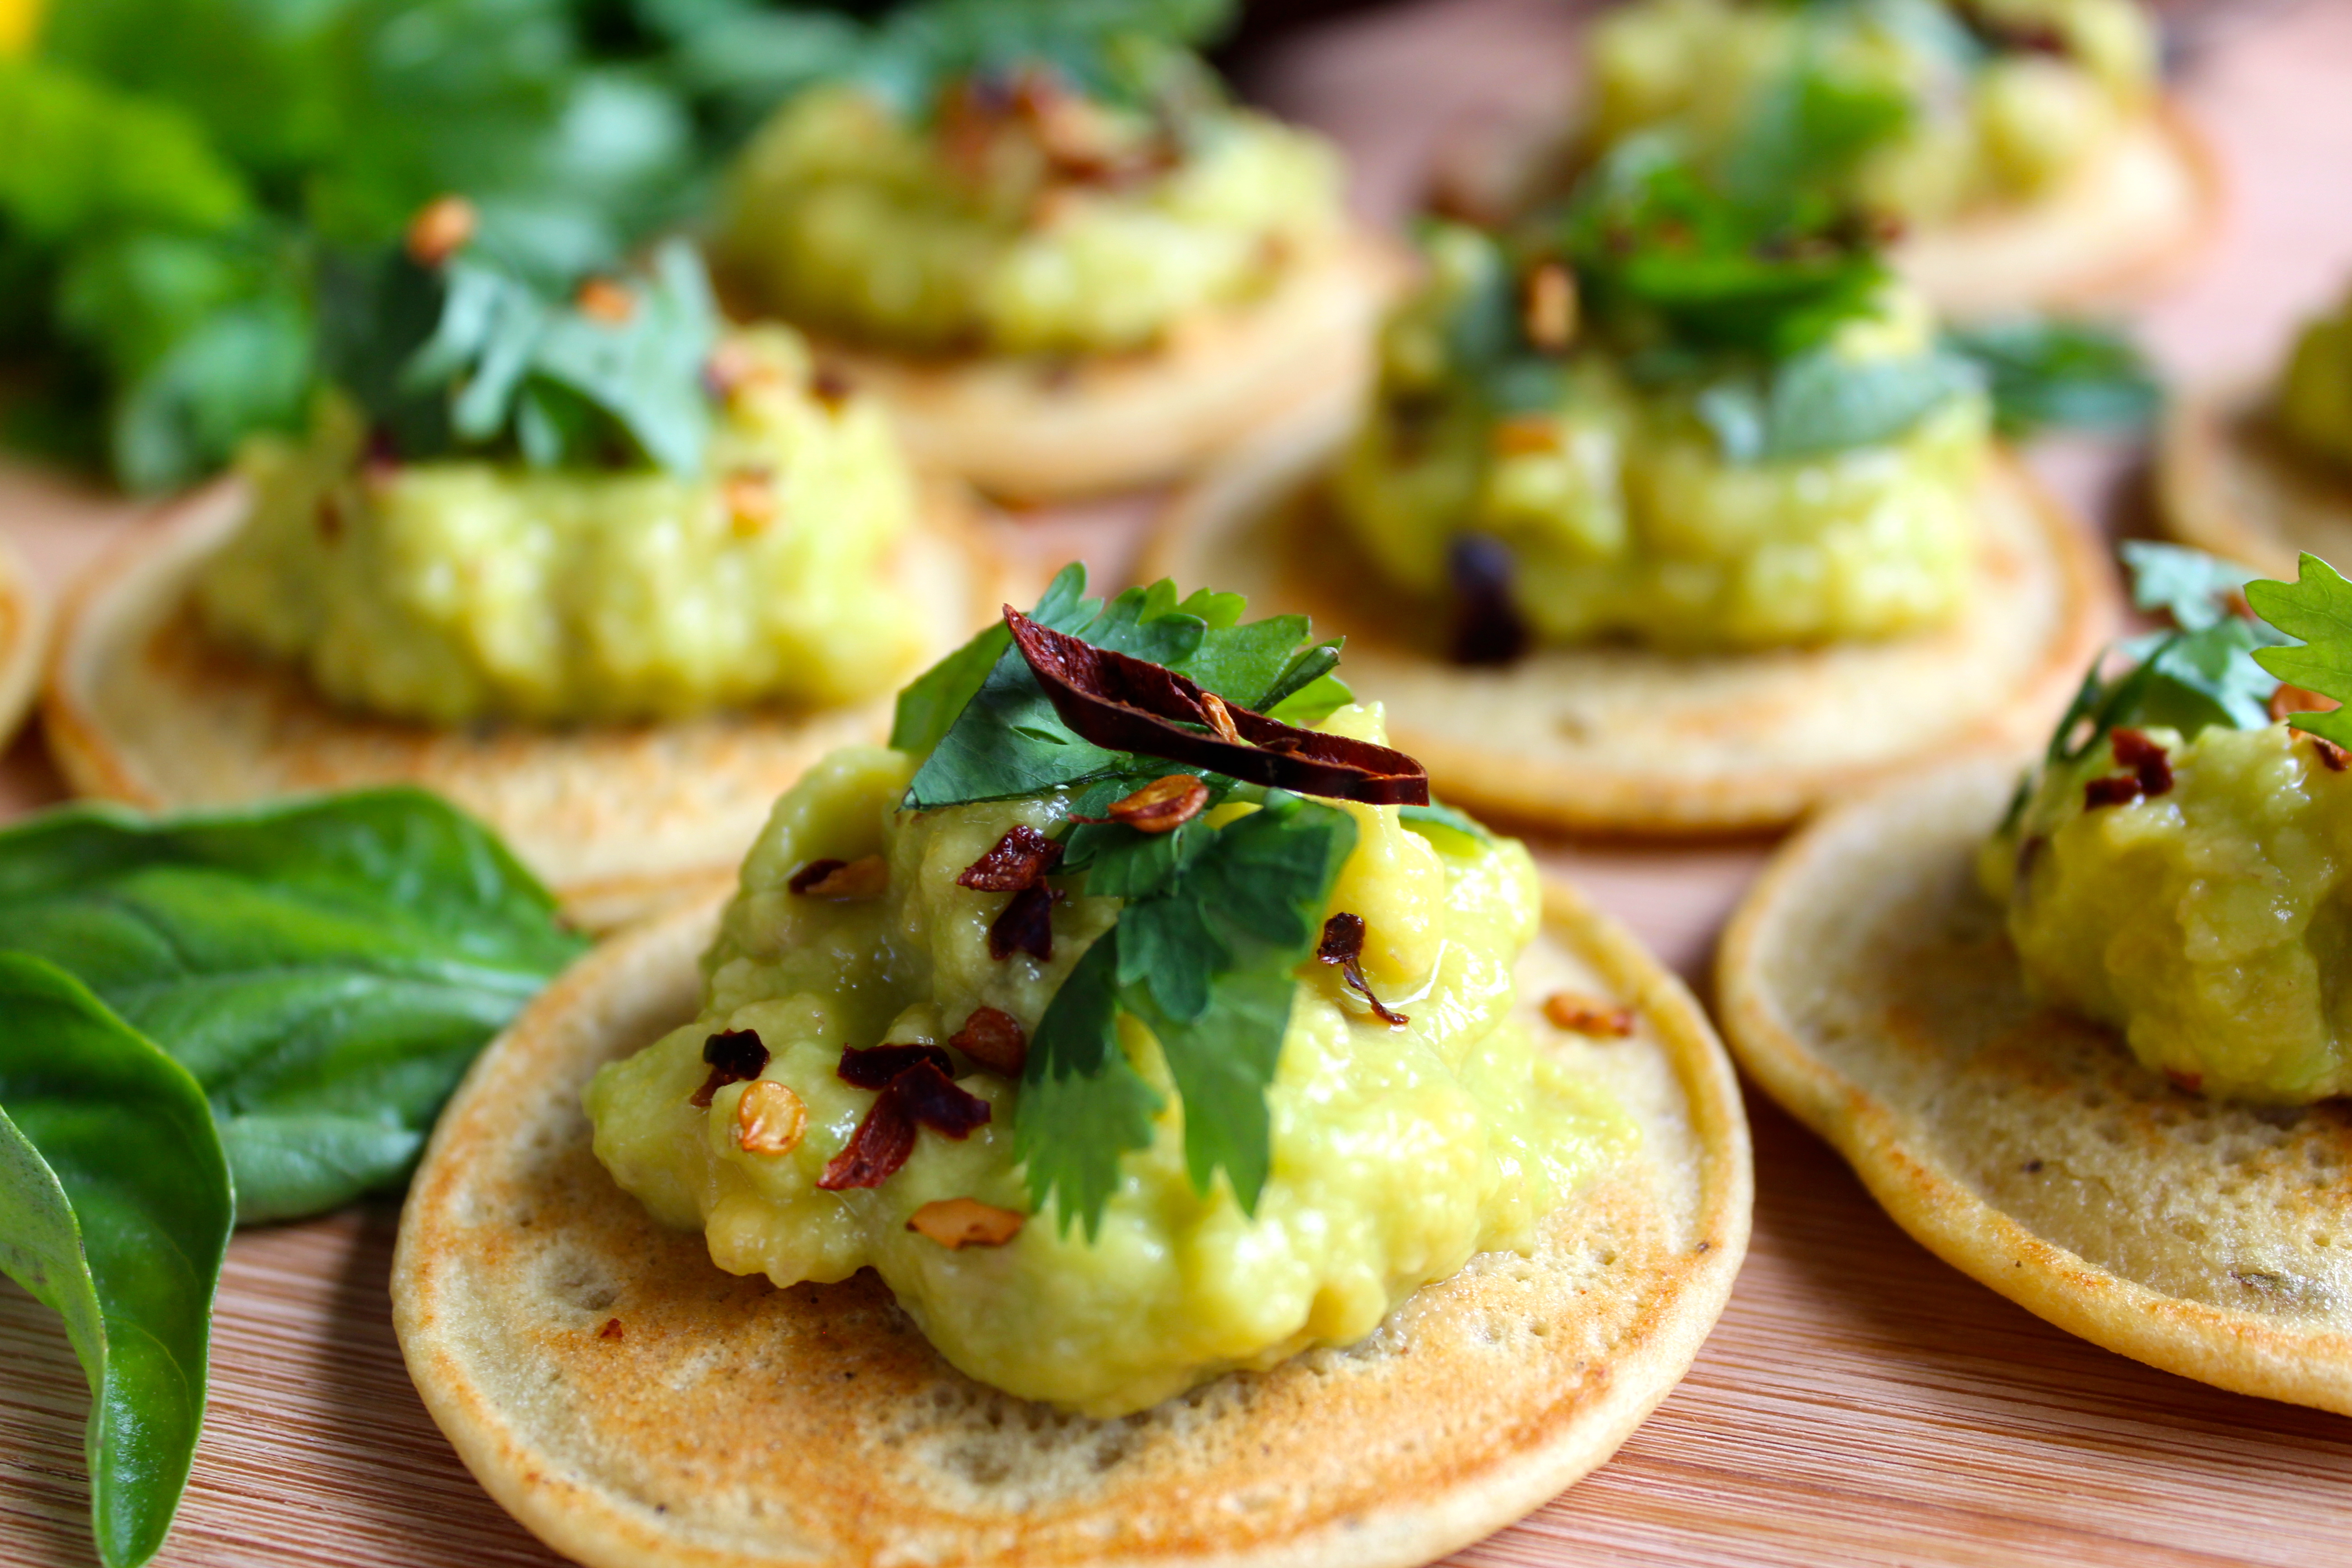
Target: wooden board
(1860, 1404)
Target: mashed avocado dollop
(1637, 496)
(470, 586)
(2315, 396)
(1396, 1152)
(1023, 218)
(2209, 922)
(1950, 106)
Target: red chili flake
(2286, 699)
(611, 1330)
(2146, 758)
(1487, 625)
(831, 386)
(933, 1097)
(810, 875)
(2329, 752)
(330, 517)
(2186, 1082)
(1162, 805)
(876, 1151)
(2120, 789)
(1025, 926)
(1125, 704)
(994, 1039)
(1020, 860)
(736, 1055)
(1343, 944)
(875, 1066)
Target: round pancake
(2126, 224)
(24, 635)
(1869, 987)
(1037, 429)
(635, 1407)
(2227, 482)
(2129, 222)
(1618, 738)
(618, 819)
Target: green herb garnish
(1216, 919)
(473, 355)
(226, 1016)
(2050, 375)
(2316, 607)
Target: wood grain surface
(1860, 1402)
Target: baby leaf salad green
(1217, 916)
(226, 1017)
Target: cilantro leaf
(1435, 815)
(2192, 587)
(2316, 607)
(1822, 402)
(1807, 128)
(1083, 1104)
(2048, 375)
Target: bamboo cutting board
(1860, 1404)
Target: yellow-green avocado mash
(1991, 102)
(1623, 513)
(2315, 397)
(453, 589)
(2210, 922)
(1044, 223)
(1397, 1154)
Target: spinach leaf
(2048, 375)
(326, 970)
(115, 1212)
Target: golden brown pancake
(1615, 737)
(2127, 223)
(2229, 483)
(1036, 430)
(140, 706)
(1869, 987)
(637, 1408)
(24, 634)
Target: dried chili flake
(994, 1039)
(735, 1056)
(2186, 1082)
(611, 1330)
(1487, 628)
(1019, 861)
(1582, 1014)
(934, 1099)
(959, 1223)
(1343, 944)
(875, 1066)
(832, 387)
(604, 300)
(2120, 789)
(770, 1120)
(876, 1151)
(1026, 925)
(1549, 309)
(441, 227)
(2150, 764)
(1162, 805)
(2287, 700)
(2329, 752)
(844, 881)
(1125, 704)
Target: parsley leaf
(1083, 1104)
(2047, 374)
(2316, 607)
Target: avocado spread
(1949, 105)
(1645, 482)
(1023, 217)
(1405, 1133)
(2181, 867)
(444, 580)
(2315, 396)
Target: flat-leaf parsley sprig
(1221, 908)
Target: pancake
(2127, 223)
(1614, 737)
(2230, 484)
(1036, 429)
(141, 706)
(1870, 988)
(24, 635)
(635, 1407)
